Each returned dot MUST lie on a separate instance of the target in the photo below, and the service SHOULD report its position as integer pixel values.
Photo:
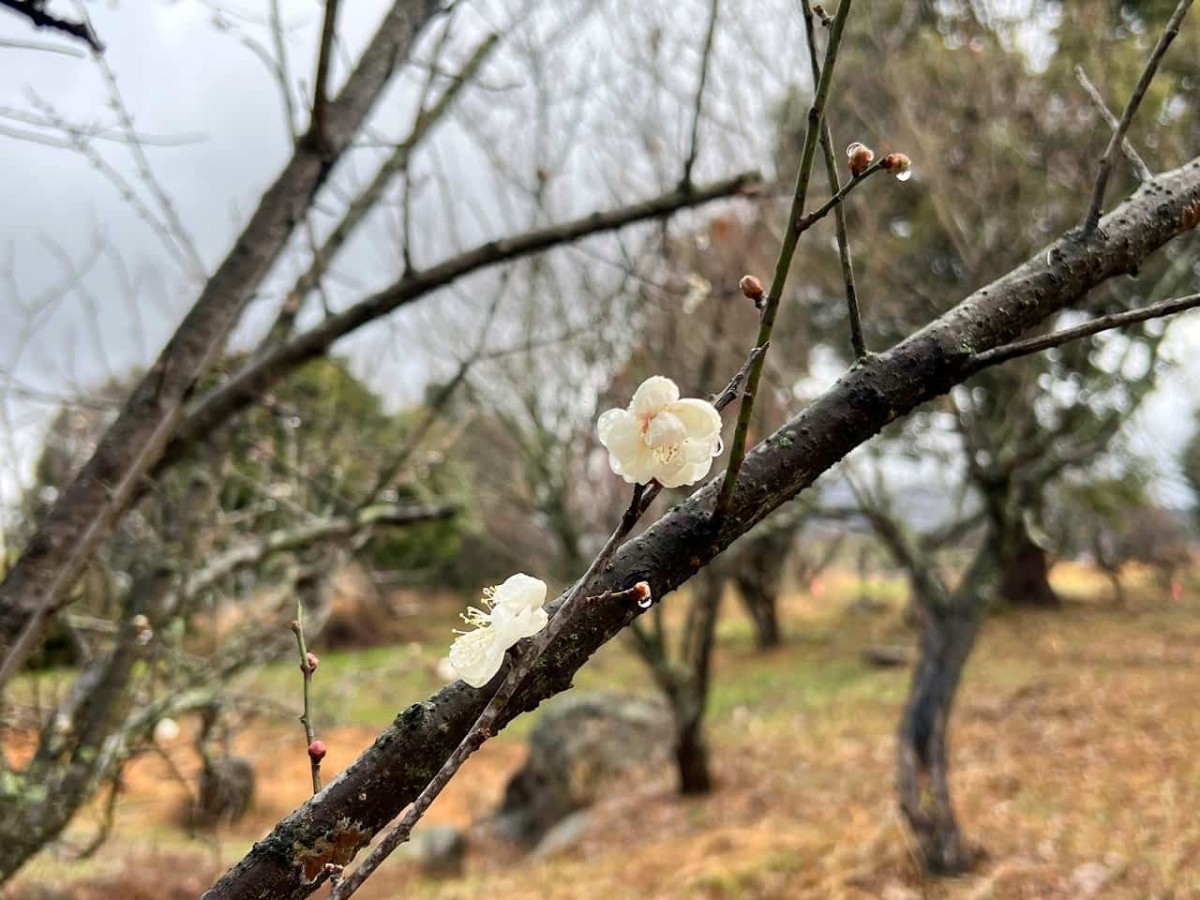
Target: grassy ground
(1074, 752)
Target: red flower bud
(311, 662)
(316, 751)
(752, 287)
(860, 156)
(899, 165)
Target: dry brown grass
(1075, 764)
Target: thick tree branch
(336, 824)
(37, 585)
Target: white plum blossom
(660, 437)
(511, 611)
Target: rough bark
(85, 512)
(335, 825)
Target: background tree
(1191, 468)
(200, 584)
(295, 252)
(1008, 434)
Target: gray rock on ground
(582, 745)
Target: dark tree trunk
(1118, 588)
(758, 572)
(923, 765)
(691, 755)
(763, 606)
(1025, 572)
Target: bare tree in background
(178, 414)
(409, 759)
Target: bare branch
(1003, 354)
(705, 54)
(1139, 165)
(1135, 99)
(36, 586)
(35, 13)
(324, 54)
(217, 406)
(857, 342)
(289, 862)
(816, 114)
(359, 208)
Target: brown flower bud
(860, 157)
(899, 165)
(752, 287)
(316, 751)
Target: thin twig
(1139, 165)
(47, 48)
(283, 77)
(694, 146)
(484, 726)
(857, 342)
(358, 209)
(1110, 152)
(816, 114)
(1001, 354)
(308, 665)
(321, 81)
(834, 202)
(434, 408)
(177, 230)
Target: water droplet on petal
(646, 603)
(904, 176)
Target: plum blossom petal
(654, 395)
(700, 418)
(520, 592)
(476, 656)
(512, 625)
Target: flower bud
(899, 165)
(316, 751)
(311, 661)
(860, 157)
(641, 593)
(752, 287)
